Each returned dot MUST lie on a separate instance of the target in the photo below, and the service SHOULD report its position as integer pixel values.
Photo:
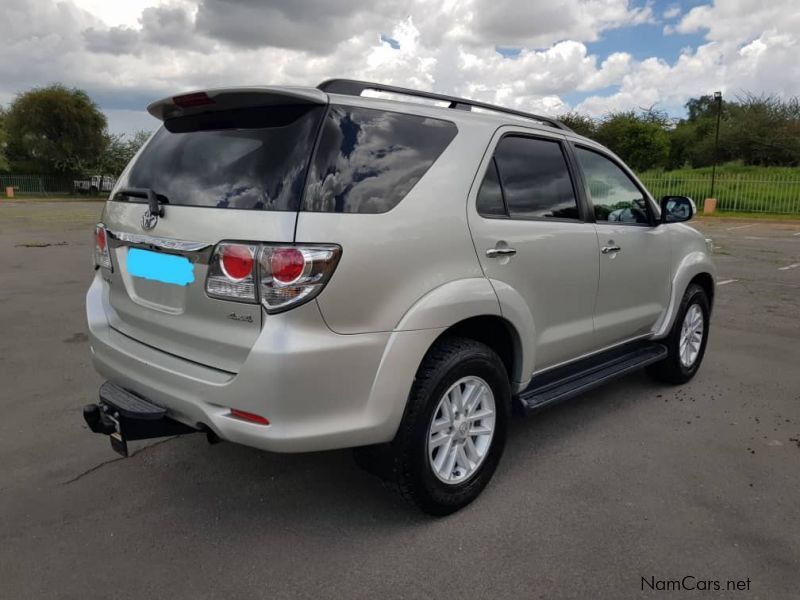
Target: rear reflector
(248, 416)
(190, 100)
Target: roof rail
(352, 87)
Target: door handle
(495, 252)
(610, 249)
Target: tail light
(280, 277)
(102, 257)
(231, 273)
(291, 275)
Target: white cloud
(752, 47)
(672, 12)
(540, 24)
(126, 57)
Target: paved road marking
(793, 266)
(798, 233)
(727, 281)
(741, 227)
(772, 239)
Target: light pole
(718, 98)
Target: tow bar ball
(97, 420)
(125, 417)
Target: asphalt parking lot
(636, 480)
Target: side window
(490, 196)
(615, 197)
(535, 179)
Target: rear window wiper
(154, 200)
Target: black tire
(404, 461)
(671, 369)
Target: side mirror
(677, 209)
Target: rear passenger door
(526, 220)
(634, 250)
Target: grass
(750, 216)
(738, 188)
(729, 170)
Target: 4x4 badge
(149, 220)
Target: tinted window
(535, 178)
(368, 160)
(250, 158)
(614, 195)
(490, 196)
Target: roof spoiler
(212, 100)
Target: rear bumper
(319, 390)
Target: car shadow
(237, 484)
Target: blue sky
(593, 56)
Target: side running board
(578, 377)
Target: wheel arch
(696, 267)
(705, 281)
(486, 310)
(496, 332)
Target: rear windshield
(368, 160)
(247, 159)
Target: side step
(578, 377)
(124, 416)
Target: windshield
(253, 158)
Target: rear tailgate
(230, 165)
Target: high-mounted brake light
(102, 257)
(194, 99)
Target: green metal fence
(38, 185)
(736, 193)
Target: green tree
(3, 159)
(118, 152)
(54, 129)
(640, 139)
(763, 130)
(580, 124)
(756, 130)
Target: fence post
(736, 192)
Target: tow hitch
(124, 417)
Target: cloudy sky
(589, 55)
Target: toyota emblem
(149, 220)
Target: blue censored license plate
(166, 268)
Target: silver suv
(301, 269)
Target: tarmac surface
(635, 481)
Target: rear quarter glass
(166, 268)
(367, 160)
(254, 158)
